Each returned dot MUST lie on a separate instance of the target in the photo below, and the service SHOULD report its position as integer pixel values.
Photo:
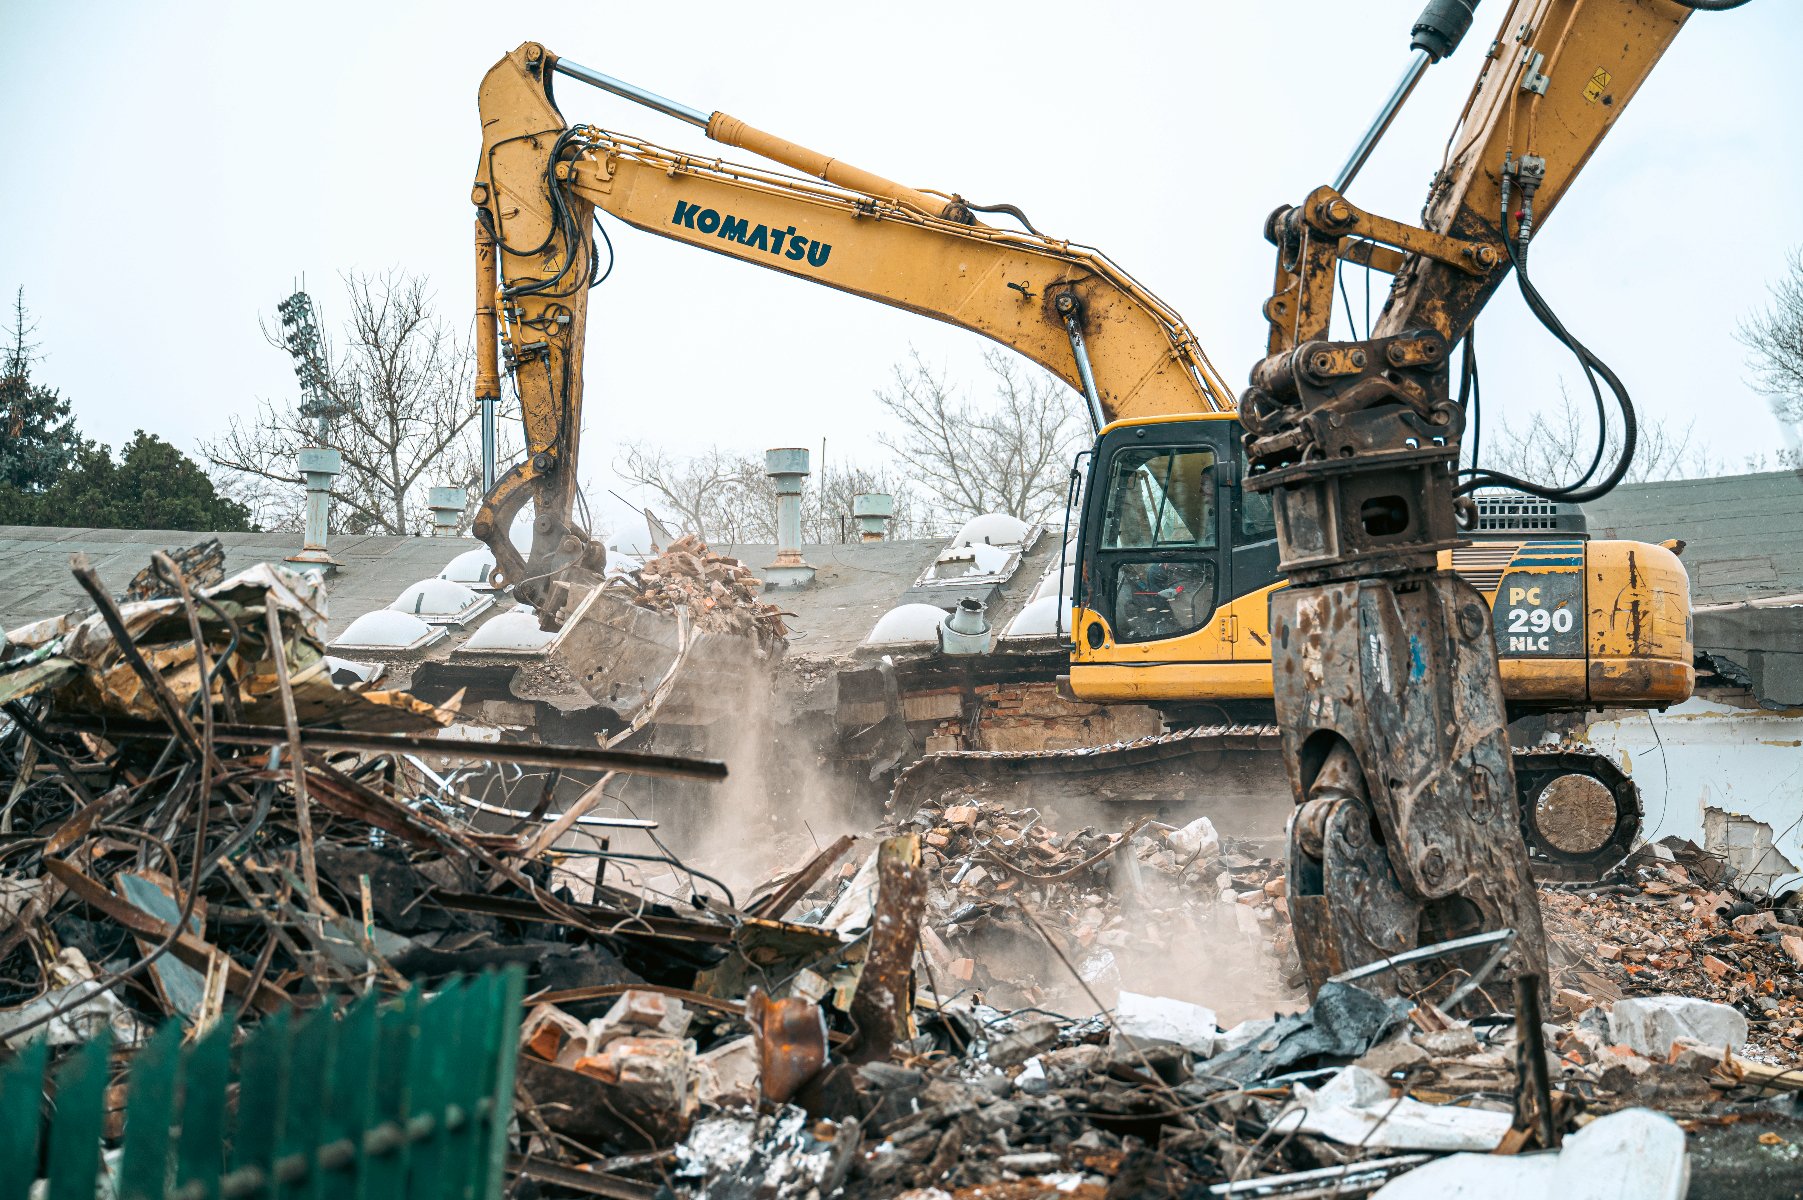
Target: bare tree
(398, 408)
(727, 499)
(1773, 337)
(1011, 454)
(1558, 447)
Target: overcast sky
(173, 168)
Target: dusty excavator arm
(1065, 306)
(1004, 285)
(1386, 683)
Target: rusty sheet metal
(882, 1007)
(791, 1040)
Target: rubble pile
(720, 594)
(1104, 900)
(1669, 932)
(198, 824)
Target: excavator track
(1580, 814)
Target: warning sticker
(1599, 83)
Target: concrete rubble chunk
(1197, 840)
(1635, 1154)
(1650, 1024)
(1356, 1108)
(1030, 1036)
(727, 1076)
(1158, 1018)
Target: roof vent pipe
(319, 465)
(870, 511)
(966, 630)
(446, 504)
(787, 467)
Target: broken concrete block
(554, 1035)
(1793, 946)
(1755, 923)
(1456, 1042)
(1715, 966)
(640, 1013)
(1197, 840)
(1162, 1019)
(727, 1075)
(1031, 1035)
(1573, 1002)
(1276, 886)
(1650, 1024)
(653, 1070)
(961, 814)
(1397, 1054)
(963, 968)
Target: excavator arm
(539, 182)
(1386, 681)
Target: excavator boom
(539, 182)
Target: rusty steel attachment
(1386, 682)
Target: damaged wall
(1723, 772)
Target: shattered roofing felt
(1743, 534)
(35, 581)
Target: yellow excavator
(1177, 560)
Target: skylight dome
(996, 529)
(440, 602)
(471, 568)
(1042, 617)
(386, 629)
(510, 632)
(907, 623)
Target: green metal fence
(404, 1101)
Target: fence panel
(407, 1100)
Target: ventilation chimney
(446, 504)
(787, 467)
(320, 465)
(870, 511)
(966, 630)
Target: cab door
(1156, 526)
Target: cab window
(1160, 497)
(1158, 524)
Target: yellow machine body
(1578, 623)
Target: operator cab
(1167, 537)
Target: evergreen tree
(152, 486)
(38, 437)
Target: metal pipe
(638, 95)
(787, 467)
(488, 367)
(1417, 67)
(730, 131)
(1085, 372)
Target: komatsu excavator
(1177, 579)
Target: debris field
(199, 824)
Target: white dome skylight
(440, 602)
(1049, 585)
(1041, 617)
(907, 623)
(510, 632)
(386, 629)
(471, 568)
(996, 529)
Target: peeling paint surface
(1704, 754)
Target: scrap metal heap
(196, 827)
